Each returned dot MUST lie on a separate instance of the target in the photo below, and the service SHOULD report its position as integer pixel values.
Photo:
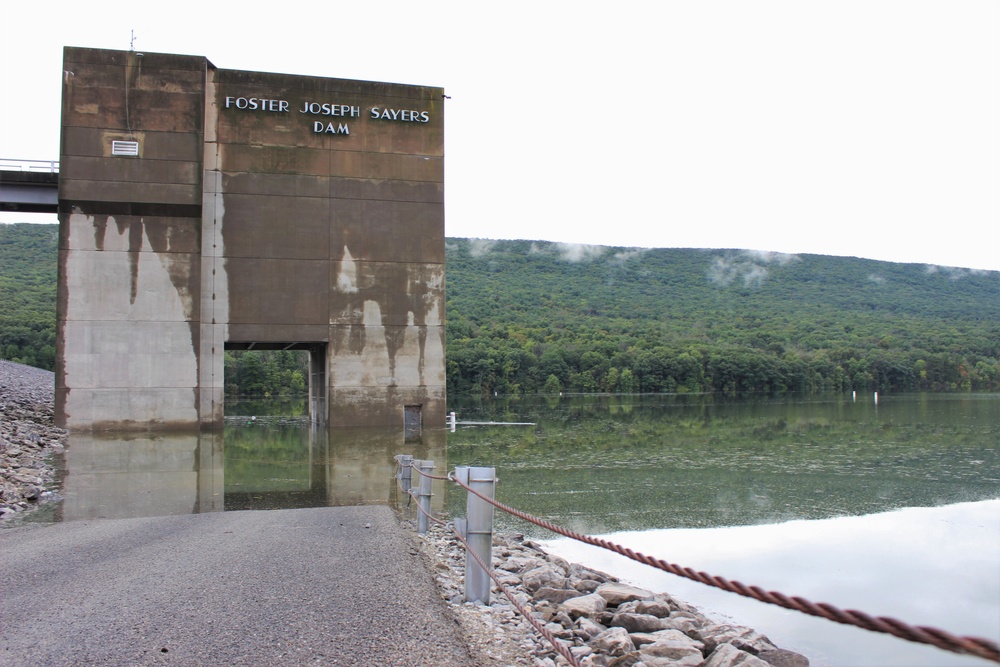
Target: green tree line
(28, 266)
(527, 317)
(531, 316)
(266, 373)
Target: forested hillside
(28, 265)
(529, 317)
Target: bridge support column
(317, 384)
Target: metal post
(479, 531)
(405, 474)
(424, 494)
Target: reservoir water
(893, 509)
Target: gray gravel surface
(324, 586)
(26, 383)
(28, 438)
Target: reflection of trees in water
(698, 461)
(267, 458)
(284, 462)
(282, 406)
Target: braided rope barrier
(535, 623)
(977, 646)
(417, 470)
(561, 648)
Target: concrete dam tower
(204, 210)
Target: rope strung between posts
(561, 648)
(535, 623)
(977, 646)
(428, 475)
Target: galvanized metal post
(424, 494)
(479, 531)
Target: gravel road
(324, 586)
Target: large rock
(740, 637)
(559, 630)
(556, 595)
(667, 662)
(614, 642)
(617, 593)
(637, 622)
(558, 561)
(671, 654)
(640, 639)
(673, 646)
(727, 655)
(655, 607)
(584, 605)
(680, 651)
(544, 576)
(588, 628)
(779, 657)
(519, 563)
(677, 636)
(685, 624)
(627, 660)
(585, 585)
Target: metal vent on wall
(125, 148)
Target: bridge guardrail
(41, 166)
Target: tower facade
(204, 209)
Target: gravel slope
(27, 438)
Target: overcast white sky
(865, 128)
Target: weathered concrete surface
(286, 587)
(232, 226)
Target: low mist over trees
(527, 317)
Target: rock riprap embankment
(28, 438)
(603, 622)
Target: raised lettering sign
(257, 104)
(404, 115)
(334, 109)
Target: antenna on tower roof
(131, 44)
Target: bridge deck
(29, 191)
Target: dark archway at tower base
(318, 406)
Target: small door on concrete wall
(413, 420)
